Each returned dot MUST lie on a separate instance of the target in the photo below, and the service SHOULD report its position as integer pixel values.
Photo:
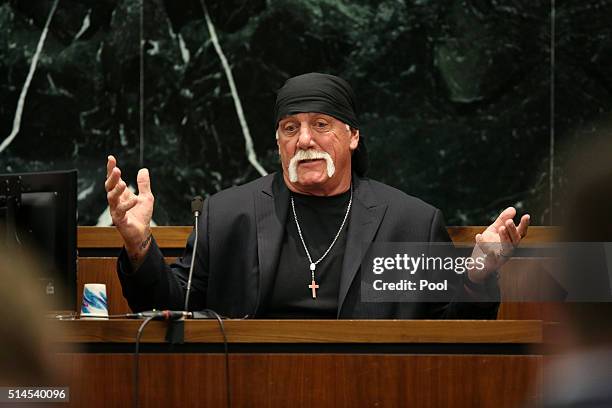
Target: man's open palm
(131, 213)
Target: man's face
(315, 151)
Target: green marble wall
(463, 103)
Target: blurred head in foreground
(587, 217)
(580, 373)
(25, 333)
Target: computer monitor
(39, 212)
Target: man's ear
(354, 142)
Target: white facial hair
(309, 155)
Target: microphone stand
(196, 208)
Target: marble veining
(470, 105)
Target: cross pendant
(314, 288)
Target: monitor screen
(38, 212)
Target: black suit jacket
(241, 232)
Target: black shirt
(319, 218)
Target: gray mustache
(311, 154)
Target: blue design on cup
(93, 300)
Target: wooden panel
(518, 311)
(312, 331)
(534, 235)
(108, 237)
(305, 380)
(176, 236)
(527, 279)
(102, 270)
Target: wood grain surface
(311, 331)
(108, 237)
(305, 380)
(176, 236)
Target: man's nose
(305, 140)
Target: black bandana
(322, 93)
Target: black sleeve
(460, 309)
(157, 285)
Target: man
(289, 245)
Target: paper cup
(94, 300)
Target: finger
(523, 225)
(144, 182)
(513, 232)
(478, 239)
(111, 163)
(114, 195)
(125, 206)
(508, 213)
(113, 179)
(504, 237)
(127, 194)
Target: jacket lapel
(271, 208)
(365, 218)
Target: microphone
(196, 205)
(196, 208)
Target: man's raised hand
(497, 243)
(131, 213)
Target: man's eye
(289, 129)
(321, 125)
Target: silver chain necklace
(313, 286)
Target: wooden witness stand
(299, 363)
(304, 363)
